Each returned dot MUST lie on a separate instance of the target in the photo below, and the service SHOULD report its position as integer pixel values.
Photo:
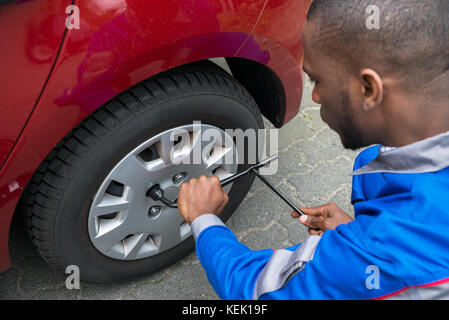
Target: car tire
(56, 203)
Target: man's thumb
(311, 222)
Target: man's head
(375, 85)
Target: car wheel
(87, 204)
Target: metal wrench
(157, 194)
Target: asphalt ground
(313, 169)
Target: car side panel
(30, 34)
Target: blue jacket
(397, 246)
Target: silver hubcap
(123, 222)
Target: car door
(30, 33)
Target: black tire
(56, 202)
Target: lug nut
(178, 178)
(154, 211)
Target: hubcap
(123, 222)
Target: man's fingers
(225, 200)
(315, 211)
(305, 220)
(312, 222)
(295, 214)
(313, 232)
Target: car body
(62, 60)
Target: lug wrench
(157, 194)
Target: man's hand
(323, 218)
(201, 196)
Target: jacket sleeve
(231, 267)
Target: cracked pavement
(313, 169)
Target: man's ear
(372, 89)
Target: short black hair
(412, 40)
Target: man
(387, 86)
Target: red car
(90, 91)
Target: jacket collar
(429, 155)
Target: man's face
(334, 92)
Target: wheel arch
(263, 84)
